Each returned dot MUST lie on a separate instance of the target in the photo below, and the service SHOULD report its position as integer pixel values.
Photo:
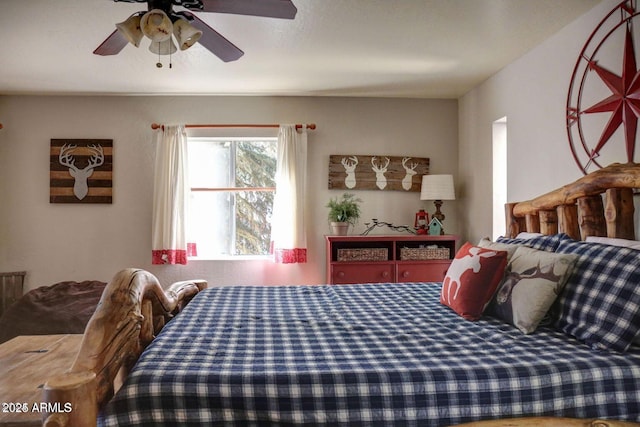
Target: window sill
(232, 258)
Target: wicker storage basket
(415, 254)
(363, 254)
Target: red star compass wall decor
(603, 104)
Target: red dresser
(398, 258)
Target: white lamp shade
(156, 25)
(185, 34)
(166, 47)
(437, 187)
(131, 29)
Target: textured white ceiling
(389, 48)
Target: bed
(376, 354)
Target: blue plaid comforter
(361, 355)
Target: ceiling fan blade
(284, 9)
(214, 41)
(112, 44)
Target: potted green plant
(343, 212)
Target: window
(499, 175)
(232, 189)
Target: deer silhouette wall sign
(360, 172)
(80, 187)
(350, 168)
(81, 171)
(381, 180)
(410, 170)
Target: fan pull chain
(159, 64)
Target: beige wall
(55, 242)
(532, 93)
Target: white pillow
(525, 235)
(633, 244)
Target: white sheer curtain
(288, 234)
(170, 196)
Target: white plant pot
(340, 228)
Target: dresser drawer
(362, 273)
(431, 271)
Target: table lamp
(437, 188)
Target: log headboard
(579, 209)
(132, 310)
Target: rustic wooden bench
(26, 362)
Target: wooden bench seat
(26, 362)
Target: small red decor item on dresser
(472, 279)
(422, 218)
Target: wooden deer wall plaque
(355, 172)
(81, 171)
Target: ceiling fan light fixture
(185, 33)
(156, 25)
(130, 28)
(165, 47)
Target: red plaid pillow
(472, 279)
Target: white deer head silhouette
(381, 180)
(407, 181)
(350, 168)
(80, 187)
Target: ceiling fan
(160, 22)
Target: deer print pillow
(472, 279)
(532, 282)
